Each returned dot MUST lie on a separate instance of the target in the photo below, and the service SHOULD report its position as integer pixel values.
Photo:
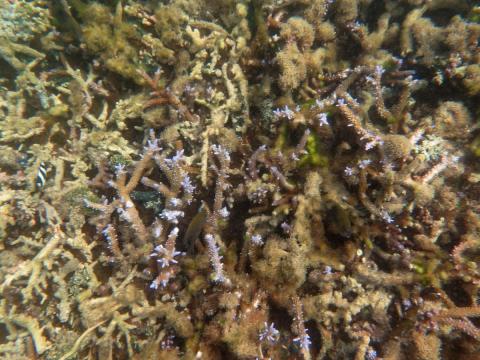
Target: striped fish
(41, 175)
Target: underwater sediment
(250, 179)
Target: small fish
(41, 175)
(195, 228)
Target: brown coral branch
(221, 185)
(160, 187)
(137, 174)
(472, 311)
(163, 96)
(379, 102)
(463, 325)
(124, 188)
(303, 338)
(467, 242)
(355, 122)
(111, 234)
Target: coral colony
(239, 179)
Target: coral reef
(251, 179)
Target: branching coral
(21, 22)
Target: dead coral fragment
(292, 65)
(112, 39)
(471, 79)
(169, 20)
(298, 30)
(396, 147)
(346, 11)
(325, 32)
(452, 120)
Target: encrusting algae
(249, 179)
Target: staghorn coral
(239, 179)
